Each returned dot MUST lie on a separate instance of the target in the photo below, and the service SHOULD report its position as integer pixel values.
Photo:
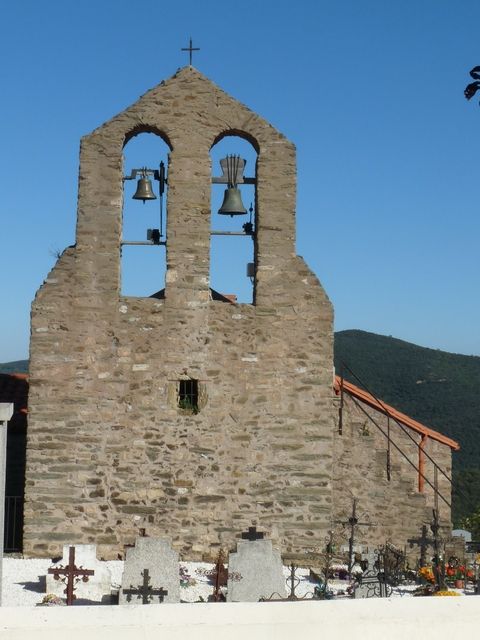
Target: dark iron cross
(72, 574)
(438, 565)
(423, 542)
(353, 523)
(252, 534)
(145, 590)
(190, 49)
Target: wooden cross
(190, 49)
(72, 574)
(145, 590)
(423, 542)
(252, 534)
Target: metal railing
(390, 442)
(13, 527)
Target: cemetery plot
(152, 573)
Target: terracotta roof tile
(14, 388)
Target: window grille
(188, 395)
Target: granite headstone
(255, 571)
(156, 557)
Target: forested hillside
(17, 366)
(441, 390)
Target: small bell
(144, 190)
(232, 203)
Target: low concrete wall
(425, 618)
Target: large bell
(144, 190)
(232, 203)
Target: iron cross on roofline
(190, 49)
(72, 574)
(145, 590)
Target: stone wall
(395, 506)
(109, 450)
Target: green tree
(472, 523)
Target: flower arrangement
(186, 580)
(458, 572)
(51, 600)
(446, 593)
(427, 574)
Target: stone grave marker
(255, 570)
(99, 585)
(151, 573)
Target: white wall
(397, 619)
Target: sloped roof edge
(186, 71)
(366, 397)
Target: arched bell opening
(233, 218)
(143, 242)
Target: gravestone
(151, 573)
(255, 571)
(99, 585)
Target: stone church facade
(110, 447)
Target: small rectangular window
(188, 395)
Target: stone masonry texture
(108, 448)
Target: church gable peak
(191, 97)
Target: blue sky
(370, 91)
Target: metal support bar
(400, 451)
(230, 233)
(340, 409)
(148, 243)
(387, 413)
(224, 180)
(421, 463)
(389, 468)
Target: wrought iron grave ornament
(70, 575)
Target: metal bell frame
(145, 192)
